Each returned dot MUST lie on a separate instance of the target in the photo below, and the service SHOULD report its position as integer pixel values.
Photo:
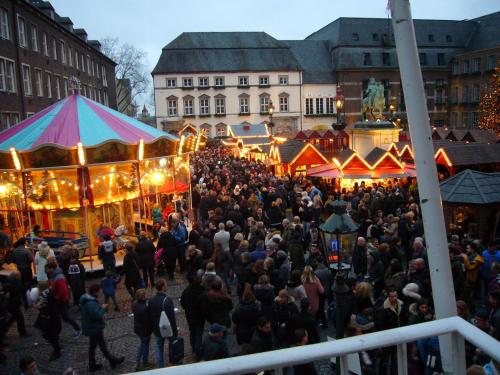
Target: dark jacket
(14, 287)
(142, 324)
(161, 302)
(213, 347)
(359, 260)
(387, 317)
(282, 319)
(92, 315)
(131, 271)
(261, 342)
(191, 302)
(206, 247)
(265, 295)
(107, 252)
(216, 307)
(145, 251)
(22, 257)
(49, 320)
(245, 318)
(308, 322)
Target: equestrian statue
(373, 100)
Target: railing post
(402, 360)
(344, 367)
(458, 350)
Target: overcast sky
(151, 24)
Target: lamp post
(339, 105)
(270, 110)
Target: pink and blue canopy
(77, 119)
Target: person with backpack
(158, 306)
(93, 327)
(106, 254)
(76, 279)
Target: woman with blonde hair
(41, 259)
(364, 295)
(313, 289)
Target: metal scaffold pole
(451, 345)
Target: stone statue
(374, 100)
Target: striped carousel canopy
(77, 119)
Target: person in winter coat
(145, 251)
(295, 248)
(217, 305)
(205, 244)
(161, 302)
(76, 279)
(283, 310)
(305, 320)
(13, 286)
(295, 288)
(59, 286)
(194, 260)
(191, 302)
(326, 278)
(214, 345)
(282, 264)
(168, 243)
(23, 259)
(133, 280)
(265, 293)
(49, 321)
(108, 285)
(93, 327)
(44, 252)
(142, 328)
(419, 312)
(106, 253)
(314, 289)
(376, 271)
(263, 339)
(245, 316)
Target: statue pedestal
(366, 135)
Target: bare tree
(132, 77)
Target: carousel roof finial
(74, 84)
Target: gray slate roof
(225, 52)
(315, 60)
(374, 155)
(472, 187)
(255, 141)
(290, 149)
(461, 153)
(488, 32)
(245, 130)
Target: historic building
(211, 80)
(39, 52)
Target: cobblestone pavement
(119, 335)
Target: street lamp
(270, 110)
(339, 104)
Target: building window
(187, 82)
(203, 82)
(319, 106)
(4, 24)
(453, 119)
(188, 106)
(367, 58)
(8, 119)
(355, 37)
(34, 38)
(283, 103)
(430, 37)
(243, 81)
(205, 106)
(454, 95)
(58, 87)
(77, 60)
(465, 94)
(440, 96)
(48, 83)
(474, 119)
(386, 59)
(220, 106)
(309, 106)
(171, 82)
(104, 78)
(88, 65)
(455, 68)
(220, 130)
(264, 104)
(63, 51)
(423, 59)
(263, 80)
(70, 57)
(465, 119)
(92, 65)
(65, 86)
(83, 62)
(219, 81)
(54, 49)
(476, 65)
(97, 70)
(441, 61)
(21, 31)
(330, 103)
(38, 82)
(491, 62)
(244, 105)
(172, 107)
(475, 94)
(465, 66)
(375, 37)
(7, 77)
(45, 44)
(283, 80)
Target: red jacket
(59, 286)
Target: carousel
(78, 167)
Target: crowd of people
(257, 268)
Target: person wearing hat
(214, 345)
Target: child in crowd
(108, 285)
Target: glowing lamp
(81, 154)
(15, 158)
(3, 190)
(141, 149)
(157, 179)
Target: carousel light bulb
(3, 190)
(81, 154)
(163, 162)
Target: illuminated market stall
(77, 166)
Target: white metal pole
(428, 185)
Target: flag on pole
(388, 7)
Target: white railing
(277, 359)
